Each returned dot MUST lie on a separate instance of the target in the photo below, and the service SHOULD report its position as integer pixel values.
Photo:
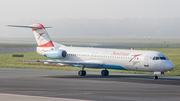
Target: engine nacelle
(55, 54)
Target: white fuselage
(121, 59)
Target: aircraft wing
(69, 62)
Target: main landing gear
(105, 72)
(82, 72)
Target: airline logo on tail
(42, 37)
(40, 33)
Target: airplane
(98, 58)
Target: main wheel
(155, 77)
(104, 72)
(82, 73)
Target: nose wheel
(104, 72)
(155, 77)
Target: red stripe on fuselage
(48, 44)
(135, 57)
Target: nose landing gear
(105, 72)
(155, 77)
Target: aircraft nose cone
(169, 66)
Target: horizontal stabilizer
(28, 26)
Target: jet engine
(56, 54)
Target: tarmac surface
(67, 85)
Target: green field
(6, 60)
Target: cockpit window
(155, 58)
(162, 58)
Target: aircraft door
(146, 64)
(155, 58)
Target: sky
(94, 9)
(32, 11)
